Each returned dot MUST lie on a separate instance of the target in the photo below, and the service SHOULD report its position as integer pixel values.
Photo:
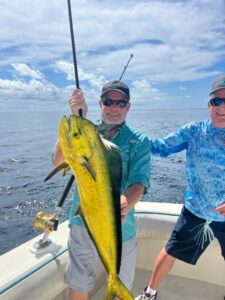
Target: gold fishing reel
(46, 222)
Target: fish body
(98, 183)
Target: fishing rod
(71, 180)
(131, 56)
(43, 220)
(73, 45)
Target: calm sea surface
(26, 143)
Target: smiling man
(203, 215)
(134, 149)
(114, 102)
(217, 103)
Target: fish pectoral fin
(88, 167)
(109, 145)
(63, 166)
(65, 170)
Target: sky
(178, 49)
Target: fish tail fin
(115, 287)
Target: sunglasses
(216, 101)
(109, 102)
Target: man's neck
(109, 129)
(112, 133)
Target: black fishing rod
(73, 45)
(71, 180)
(43, 220)
(131, 56)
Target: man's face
(114, 114)
(217, 113)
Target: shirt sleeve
(173, 142)
(139, 167)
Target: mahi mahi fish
(96, 165)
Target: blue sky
(178, 48)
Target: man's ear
(128, 106)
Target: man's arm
(173, 142)
(77, 102)
(58, 157)
(138, 177)
(134, 194)
(130, 198)
(221, 209)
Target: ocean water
(26, 144)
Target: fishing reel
(47, 223)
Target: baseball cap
(116, 85)
(218, 84)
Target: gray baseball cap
(218, 84)
(116, 85)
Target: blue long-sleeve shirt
(205, 165)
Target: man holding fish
(134, 152)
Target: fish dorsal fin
(62, 166)
(115, 171)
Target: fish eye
(76, 135)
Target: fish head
(76, 136)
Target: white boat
(25, 275)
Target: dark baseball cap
(116, 85)
(218, 84)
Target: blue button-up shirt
(134, 150)
(205, 166)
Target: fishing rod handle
(66, 191)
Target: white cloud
(172, 42)
(182, 88)
(24, 70)
(191, 38)
(143, 91)
(68, 68)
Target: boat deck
(176, 288)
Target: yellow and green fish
(96, 165)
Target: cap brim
(217, 89)
(116, 90)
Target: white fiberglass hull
(24, 275)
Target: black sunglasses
(216, 101)
(109, 102)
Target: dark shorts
(187, 241)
